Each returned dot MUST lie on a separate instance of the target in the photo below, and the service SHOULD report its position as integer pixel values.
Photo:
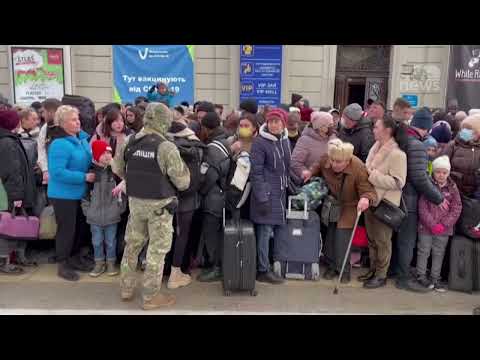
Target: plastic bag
(314, 192)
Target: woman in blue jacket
(69, 158)
(270, 158)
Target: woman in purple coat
(270, 159)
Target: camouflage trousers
(147, 222)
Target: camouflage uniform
(149, 220)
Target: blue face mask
(466, 135)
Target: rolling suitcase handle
(335, 291)
(298, 215)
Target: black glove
(152, 89)
(264, 208)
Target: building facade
(323, 74)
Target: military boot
(159, 300)
(178, 279)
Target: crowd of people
(150, 186)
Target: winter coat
(270, 164)
(218, 163)
(387, 168)
(309, 149)
(69, 158)
(16, 172)
(361, 137)
(187, 142)
(418, 181)
(155, 96)
(356, 186)
(465, 160)
(33, 134)
(100, 207)
(431, 214)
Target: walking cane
(335, 291)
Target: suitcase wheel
(315, 271)
(277, 268)
(253, 293)
(227, 293)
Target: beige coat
(387, 169)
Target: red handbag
(360, 238)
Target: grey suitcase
(239, 257)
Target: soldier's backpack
(86, 109)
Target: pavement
(40, 291)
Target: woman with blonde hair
(347, 181)
(69, 158)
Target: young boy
(103, 210)
(431, 146)
(436, 225)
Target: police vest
(144, 178)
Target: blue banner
(261, 73)
(136, 68)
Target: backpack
(30, 146)
(236, 191)
(86, 109)
(193, 158)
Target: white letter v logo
(144, 55)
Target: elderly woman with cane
(350, 193)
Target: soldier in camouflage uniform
(154, 171)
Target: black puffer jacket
(361, 137)
(418, 181)
(15, 171)
(218, 163)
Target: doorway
(361, 73)
(356, 93)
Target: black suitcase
(298, 246)
(239, 257)
(464, 264)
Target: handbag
(360, 239)
(3, 198)
(14, 227)
(332, 207)
(48, 224)
(390, 214)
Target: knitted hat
(278, 113)
(430, 142)
(296, 98)
(249, 105)
(9, 119)
(211, 120)
(442, 132)
(205, 106)
(305, 114)
(442, 162)
(320, 118)
(422, 119)
(473, 122)
(99, 147)
(353, 111)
